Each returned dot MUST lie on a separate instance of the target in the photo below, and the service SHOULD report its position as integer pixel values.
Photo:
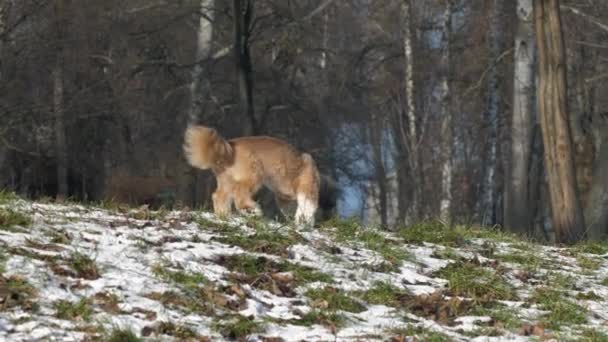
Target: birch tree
(567, 216)
(447, 127)
(411, 138)
(199, 86)
(517, 215)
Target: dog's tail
(205, 148)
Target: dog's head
(328, 198)
(205, 148)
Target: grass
(591, 247)
(122, 335)
(592, 335)
(185, 279)
(561, 281)
(588, 264)
(84, 266)
(420, 333)
(16, 291)
(529, 261)
(382, 293)
(439, 233)
(254, 266)
(506, 316)
(470, 280)
(191, 303)
(3, 259)
(7, 197)
(605, 282)
(263, 241)
(10, 220)
(80, 310)
(334, 300)
(562, 311)
(179, 331)
(238, 327)
(350, 230)
(322, 317)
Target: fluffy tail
(204, 148)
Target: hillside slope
(72, 272)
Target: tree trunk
(244, 70)
(568, 222)
(518, 217)
(61, 153)
(445, 207)
(489, 197)
(380, 172)
(199, 87)
(412, 139)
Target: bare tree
(199, 86)
(61, 153)
(566, 208)
(243, 12)
(489, 196)
(447, 127)
(517, 215)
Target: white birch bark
(445, 207)
(517, 215)
(199, 87)
(489, 196)
(412, 138)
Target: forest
(486, 112)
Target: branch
(477, 85)
(586, 16)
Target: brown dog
(243, 165)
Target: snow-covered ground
(178, 275)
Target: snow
(126, 250)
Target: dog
(243, 165)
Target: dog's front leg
(221, 203)
(305, 214)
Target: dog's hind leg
(222, 197)
(307, 192)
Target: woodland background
(418, 109)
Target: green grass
(11, 220)
(562, 311)
(185, 279)
(605, 282)
(587, 263)
(322, 317)
(470, 280)
(350, 230)
(263, 241)
(180, 331)
(438, 233)
(561, 281)
(335, 300)
(592, 335)
(421, 334)
(16, 291)
(382, 293)
(7, 197)
(529, 261)
(195, 302)
(122, 335)
(84, 266)
(238, 327)
(506, 316)
(3, 259)
(80, 310)
(254, 266)
(591, 247)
